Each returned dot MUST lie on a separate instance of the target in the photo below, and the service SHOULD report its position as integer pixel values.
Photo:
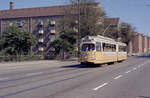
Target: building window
(51, 28)
(36, 20)
(10, 24)
(52, 37)
(44, 20)
(20, 23)
(41, 23)
(51, 19)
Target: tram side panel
(109, 57)
(122, 54)
(107, 54)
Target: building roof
(31, 12)
(112, 21)
(35, 12)
(140, 34)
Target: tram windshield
(88, 47)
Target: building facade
(139, 45)
(41, 21)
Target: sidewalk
(51, 63)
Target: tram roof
(122, 44)
(101, 39)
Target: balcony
(41, 40)
(75, 29)
(41, 23)
(41, 31)
(53, 31)
(52, 23)
(41, 49)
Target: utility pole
(79, 36)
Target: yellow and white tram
(99, 50)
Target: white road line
(128, 72)
(139, 66)
(2, 79)
(118, 77)
(32, 74)
(100, 86)
(134, 69)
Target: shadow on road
(80, 66)
(143, 97)
(148, 56)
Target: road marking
(143, 64)
(139, 66)
(118, 77)
(100, 86)
(128, 71)
(33, 74)
(134, 69)
(2, 79)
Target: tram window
(109, 47)
(122, 48)
(98, 46)
(88, 47)
(114, 48)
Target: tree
(65, 42)
(123, 32)
(15, 41)
(89, 14)
(127, 32)
(111, 32)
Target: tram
(100, 50)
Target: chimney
(11, 5)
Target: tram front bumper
(87, 58)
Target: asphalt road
(55, 79)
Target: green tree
(124, 32)
(65, 43)
(127, 32)
(89, 14)
(15, 41)
(112, 32)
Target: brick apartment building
(41, 21)
(139, 45)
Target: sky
(134, 12)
